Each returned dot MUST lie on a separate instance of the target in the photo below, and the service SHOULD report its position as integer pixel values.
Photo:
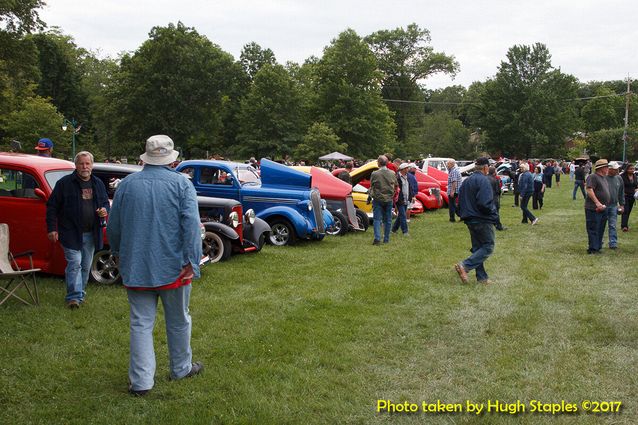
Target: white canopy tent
(335, 156)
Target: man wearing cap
(44, 147)
(403, 200)
(75, 213)
(598, 197)
(383, 184)
(154, 231)
(477, 210)
(616, 202)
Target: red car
(26, 182)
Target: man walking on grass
(477, 210)
(383, 183)
(596, 206)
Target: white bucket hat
(159, 151)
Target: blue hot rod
(281, 196)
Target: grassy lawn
(318, 332)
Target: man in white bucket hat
(154, 231)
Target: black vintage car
(228, 229)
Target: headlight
(309, 206)
(234, 218)
(324, 205)
(250, 216)
(202, 230)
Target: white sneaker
(535, 221)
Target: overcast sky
(590, 39)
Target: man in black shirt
(76, 212)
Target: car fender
(303, 227)
(252, 232)
(229, 232)
(429, 202)
(328, 219)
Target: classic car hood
(275, 174)
(329, 186)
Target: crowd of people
(78, 206)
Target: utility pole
(624, 135)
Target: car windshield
(53, 176)
(248, 176)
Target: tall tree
(405, 58)
(349, 96)
(271, 117)
(253, 57)
(440, 135)
(525, 109)
(176, 83)
(18, 55)
(38, 118)
(605, 111)
(318, 141)
(61, 75)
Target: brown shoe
(461, 271)
(72, 304)
(485, 282)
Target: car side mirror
(40, 193)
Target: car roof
(229, 164)
(34, 161)
(109, 166)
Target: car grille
(315, 198)
(352, 214)
(437, 194)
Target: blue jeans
(482, 236)
(402, 219)
(612, 219)
(143, 307)
(78, 266)
(527, 214)
(595, 223)
(579, 184)
(382, 212)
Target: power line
(428, 102)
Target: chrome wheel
(104, 269)
(281, 233)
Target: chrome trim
(270, 200)
(351, 213)
(315, 198)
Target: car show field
(320, 332)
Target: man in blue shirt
(154, 231)
(477, 210)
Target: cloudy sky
(590, 39)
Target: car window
(17, 184)
(52, 177)
(214, 175)
(189, 172)
(247, 176)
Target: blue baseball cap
(44, 144)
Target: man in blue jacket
(477, 210)
(154, 231)
(75, 214)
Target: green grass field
(318, 332)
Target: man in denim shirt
(154, 231)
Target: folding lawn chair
(9, 270)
